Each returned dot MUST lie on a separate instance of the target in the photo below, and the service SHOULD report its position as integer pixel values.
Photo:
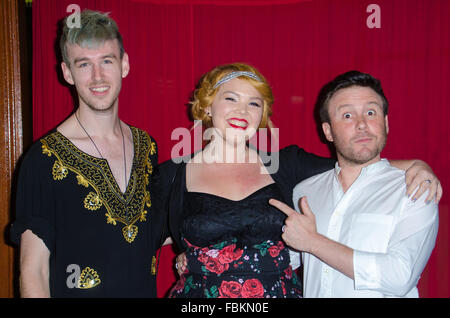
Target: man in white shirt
(366, 238)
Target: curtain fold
(298, 46)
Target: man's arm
(34, 267)
(394, 272)
(300, 233)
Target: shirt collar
(370, 169)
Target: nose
(361, 124)
(97, 73)
(243, 108)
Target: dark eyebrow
(350, 105)
(83, 59)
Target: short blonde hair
(205, 92)
(96, 28)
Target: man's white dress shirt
(392, 237)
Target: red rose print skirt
(225, 271)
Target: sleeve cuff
(365, 270)
(38, 226)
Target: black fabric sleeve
(296, 165)
(35, 209)
(302, 165)
(173, 180)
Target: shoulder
(291, 150)
(171, 166)
(145, 143)
(389, 176)
(38, 160)
(295, 154)
(43, 148)
(142, 135)
(314, 183)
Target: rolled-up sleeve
(397, 271)
(35, 209)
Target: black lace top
(212, 219)
(295, 165)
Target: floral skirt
(225, 271)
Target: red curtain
(298, 46)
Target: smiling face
(236, 110)
(358, 127)
(96, 73)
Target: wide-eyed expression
(358, 127)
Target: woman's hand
(181, 263)
(419, 174)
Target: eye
(371, 112)
(347, 116)
(107, 61)
(231, 99)
(82, 65)
(255, 104)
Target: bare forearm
(336, 255)
(34, 267)
(34, 285)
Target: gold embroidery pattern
(82, 181)
(92, 201)
(59, 171)
(88, 279)
(95, 174)
(129, 232)
(153, 269)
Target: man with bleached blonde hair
(85, 219)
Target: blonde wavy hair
(205, 92)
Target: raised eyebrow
(374, 103)
(343, 106)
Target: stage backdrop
(298, 46)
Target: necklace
(129, 229)
(123, 145)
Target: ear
(67, 73)
(386, 122)
(208, 111)
(125, 65)
(326, 127)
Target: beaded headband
(232, 75)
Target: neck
(220, 151)
(99, 123)
(350, 171)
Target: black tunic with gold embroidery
(102, 242)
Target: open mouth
(238, 123)
(98, 90)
